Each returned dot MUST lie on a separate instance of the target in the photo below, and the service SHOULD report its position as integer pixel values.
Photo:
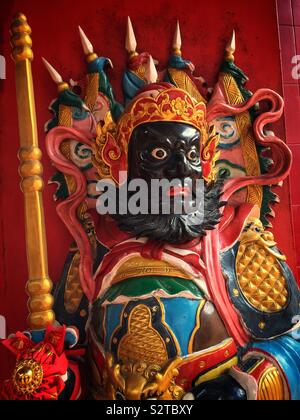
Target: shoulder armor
(260, 283)
(71, 306)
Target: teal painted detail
(177, 62)
(97, 66)
(167, 79)
(268, 196)
(232, 165)
(180, 315)
(62, 192)
(228, 146)
(239, 76)
(225, 172)
(229, 136)
(112, 321)
(286, 351)
(79, 114)
(67, 98)
(139, 286)
(227, 120)
(83, 152)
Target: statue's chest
(152, 325)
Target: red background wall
(289, 29)
(206, 27)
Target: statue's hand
(224, 388)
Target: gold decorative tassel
(250, 155)
(92, 90)
(65, 116)
(39, 285)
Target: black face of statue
(166, 150)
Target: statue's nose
(179, 166)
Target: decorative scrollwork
(135, 381)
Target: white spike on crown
(130, 43)
(150, 71)
(177, 40)
(55, 76)
(231, 47)
(86, 44)
(88, 48)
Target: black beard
(177, 229)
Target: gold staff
(39, 285)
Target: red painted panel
(292, 113)
(205, 31)
(288, 51)
(295, 176)
(296, 221)
(297, 36)
(291, 97)
(296, 11)
(285, 14)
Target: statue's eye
(193, 155)
(159, 153)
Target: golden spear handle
(39, 285)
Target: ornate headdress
(167, 104)
(179, 98)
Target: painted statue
(198, 305)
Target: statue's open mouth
(183, 199)
(178, 191)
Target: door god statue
(174, 287)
